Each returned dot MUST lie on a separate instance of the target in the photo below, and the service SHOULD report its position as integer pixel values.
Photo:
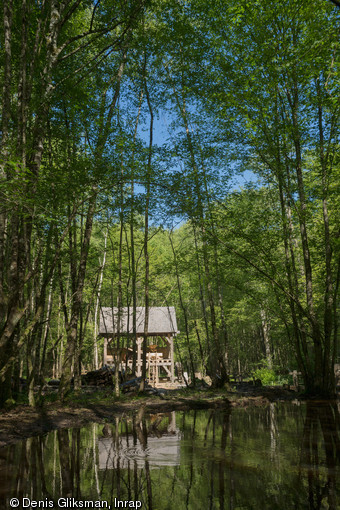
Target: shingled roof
(162, 321)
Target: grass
(104, 396)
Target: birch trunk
(266, 338)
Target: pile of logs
(102, 377)
(133, 385)
(105, 377)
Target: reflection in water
(281, 456)
(160, 447)
(321, 488)
(273, 431)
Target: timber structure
(117, 329)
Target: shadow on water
(280, 456)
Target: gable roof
(162, 321)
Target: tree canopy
(126, 128)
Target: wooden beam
(139, 356)
(105, 352)
(157, 371)
(167, 370)
(172, 377)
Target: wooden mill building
(162, 328)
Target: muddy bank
(23, 422)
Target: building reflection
(158, 443)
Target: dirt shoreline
(23, 421)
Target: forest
(170, 153)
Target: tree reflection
(132, 449)
(70, 463)
(322, 417)
(215, 459)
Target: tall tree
(288, 121)
(64, 43)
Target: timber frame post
(172, 377)
(170, 339)
(139, 356)
(105, 352)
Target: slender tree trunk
(4, 151)
(328, 366)
(146, 235)
(266, 338)
(71, 327)
(218, 372)
(120, 284)
(291, 272)
(223, 351)
(315, 329)
(78, 277)
(45, 335)
(211, 366)
(132, 236)
(95, 333)
(184, 312)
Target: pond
(282, 456)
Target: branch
(98, 33)
(93, 14)
(70, 12)
(80, 68)
(78, 37)
(265, 274)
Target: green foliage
(266, 375)
(245, 88)
(269, 376)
